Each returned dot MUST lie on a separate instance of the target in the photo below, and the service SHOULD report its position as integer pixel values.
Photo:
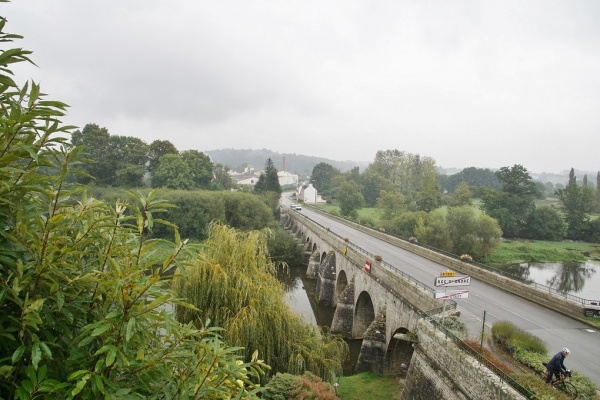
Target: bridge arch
(364, 314)
(340, 286)
(399, 352)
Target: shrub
(282, 387)
(512, 337)
(466, 257)
(293, 387)
(283, 248)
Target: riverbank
(511, 252)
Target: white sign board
(447, 281)
(453, 295)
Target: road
(555, 329)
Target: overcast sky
(468, 83)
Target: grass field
(369, 386)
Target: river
(579, 279)
(301, 297)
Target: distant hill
(294, 163)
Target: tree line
(409, 194)
(126, 161)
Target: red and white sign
(368, 266)
(453, 295)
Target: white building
(287, 179)
(310, 195)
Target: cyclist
(557, 365)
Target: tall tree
(172, 173)
(462, 195)
(471, 234)
(391, 204)
(577, 202)
(156, 150)
(222, 179)
(95, 143)
(372, 186)
(350, 197)
(512, 204)
(414, 176)
(268, 181)
(428, 195)
(321, 176)
(128, 156)
(201, 168)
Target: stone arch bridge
(391, 313)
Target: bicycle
(561, 382)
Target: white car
(295, 206)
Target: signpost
(450, 279)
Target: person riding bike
(556, 365)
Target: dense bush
(512, 337)
(194, 210)
(283, 248)
(545, 223)
(294, 387)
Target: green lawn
(369, 386)
(517, 251)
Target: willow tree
(233, 284)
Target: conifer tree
(268, 180)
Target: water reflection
(579, 279)
(297, 298)
(301, 297)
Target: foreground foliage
(84, 298)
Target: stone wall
(441, 370)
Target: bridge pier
(313, 264)
(372, 351)
(326, 280)
(344, 312)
